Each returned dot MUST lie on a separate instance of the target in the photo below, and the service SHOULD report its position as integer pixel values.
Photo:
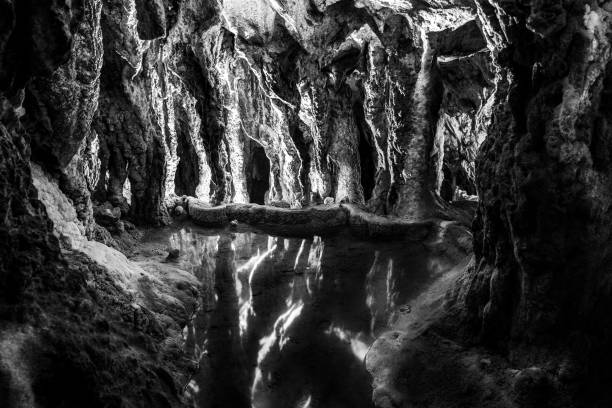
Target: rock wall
(60, 109)
(70, 336)
(540, 280)
(398, 108)
(357, 102)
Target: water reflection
(287, 322)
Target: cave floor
(287, 322)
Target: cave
(305, 204)
(258, 175)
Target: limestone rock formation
(380, 117)
(541, 234)
(538, 284)
(70, 335)
(260, 103)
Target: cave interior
(305, 203)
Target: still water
(286, 322)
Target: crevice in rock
(366, 152)
(187, 175)
(298, 138)
(151, 19)
(258, 182)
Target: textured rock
(179, 211)
(390, 113)
(250, 102)
(70, 336)
(60, 110)
(464, 115)
(66, 226)
(542, 174)
(536, 289)
(302, 222)
(304, 98)
(131, 144)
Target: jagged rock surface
(543, 176)
(398, 108)
(538, 285)
(252, 102)
(70, 335)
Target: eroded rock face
(161, 98)
(333, 100)
(130, 118)
(541, 234)
(390, 106)
(60, 109)
(70, 336)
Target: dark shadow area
(456, 181)
(222, 375)
(258, 176)
(366, 158)
(303, 148)
(188, 170)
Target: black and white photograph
(305, 203)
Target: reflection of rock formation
(222, 379)
(291, 320)
(301, 356)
